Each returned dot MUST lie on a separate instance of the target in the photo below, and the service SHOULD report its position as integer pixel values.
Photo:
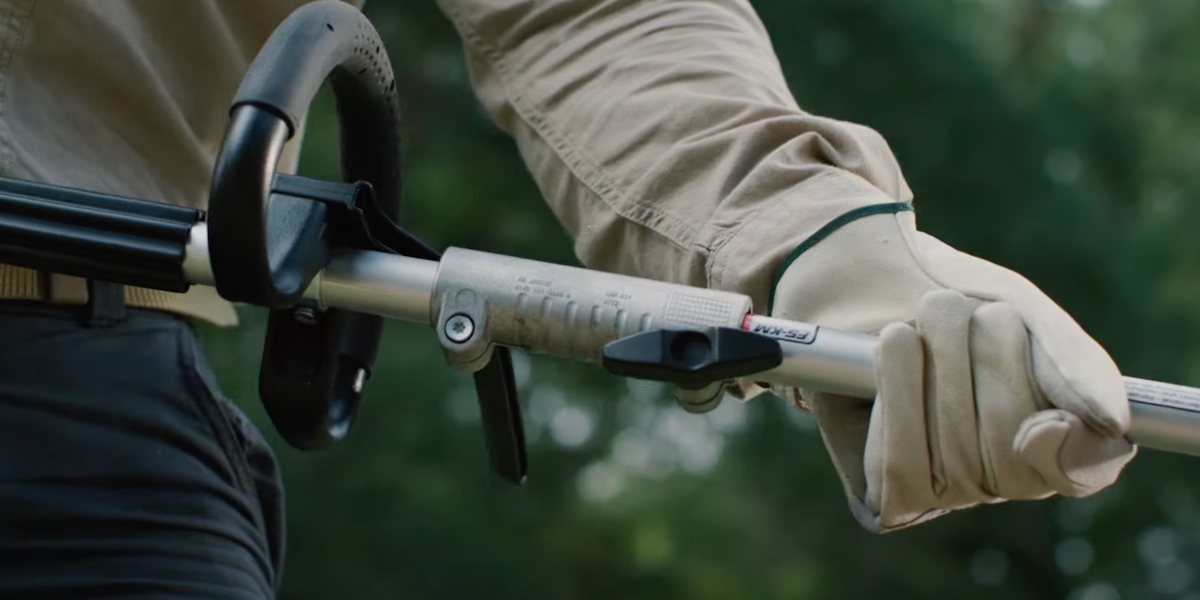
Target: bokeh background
(1060, 138)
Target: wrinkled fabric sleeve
(663, 135)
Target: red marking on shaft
(746, 321)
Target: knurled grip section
(565, 311)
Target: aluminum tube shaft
(387, 285)
(834, 361)
(1165, 416)
(197, 267)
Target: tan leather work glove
(987, 390)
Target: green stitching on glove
(823, 232)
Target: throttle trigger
(503, 431)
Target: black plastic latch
(691, 358)
(315, 362)
(354, 217)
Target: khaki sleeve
(663, 135)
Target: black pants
(123, 471)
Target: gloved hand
(987, 390)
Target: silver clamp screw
(459, 328)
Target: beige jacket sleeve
(663, 135)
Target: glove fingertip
(900, 359)
(899, 339)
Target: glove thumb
(1074, 459)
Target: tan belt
(65, 289)
(200, 302)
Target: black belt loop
(106, 303)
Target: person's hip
(122, 466)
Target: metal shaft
(1164, 416)
(572, 312)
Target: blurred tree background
(1060, 138)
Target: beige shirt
(661, 132)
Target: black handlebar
(269, 234)
(322, 41)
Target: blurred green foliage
(1059, 138)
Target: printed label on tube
(780, 329)
(1163, 394)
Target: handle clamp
(270, 234)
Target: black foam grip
(265, 252)
(331, 40)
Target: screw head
(459, 328)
